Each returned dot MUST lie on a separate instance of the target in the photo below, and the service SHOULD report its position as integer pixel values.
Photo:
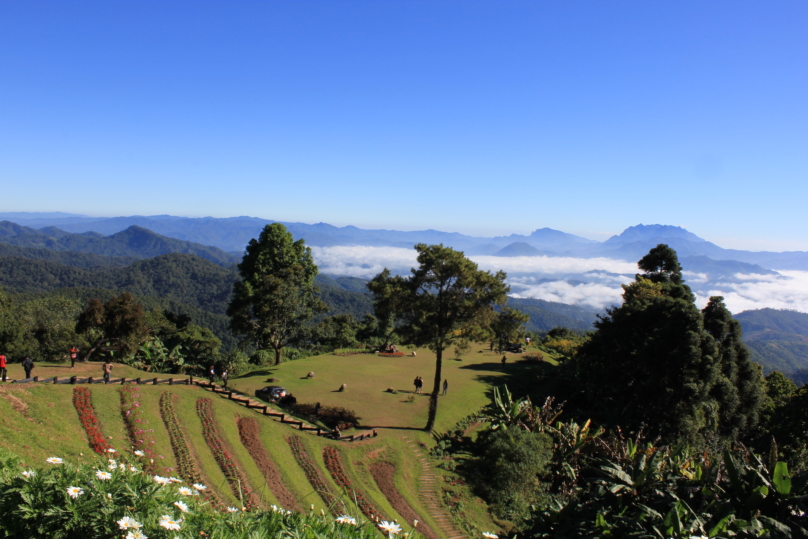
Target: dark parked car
(271, 393)
(514, 347)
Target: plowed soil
(383, 473)
(249, 431)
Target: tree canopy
(276, 294)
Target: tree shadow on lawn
(522, 377)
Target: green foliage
(276, 295)
(508, 326)
(120, 320)
(39, 506)
(447, 298)
(653, 363)
(514, 461)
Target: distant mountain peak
(518, 248)
(654, 232)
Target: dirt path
(429, 492)
(384, 474)
(249, 432)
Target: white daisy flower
(140, 453)
(136, 534)
(489, 535)
(132, 469)
(169, 523)
(200, 486)
(54, 460)
(345, 519)
(28, 474)
(110, 450)
(390, 527)
(232, 510)
(175, 480)
(162, 480)
(112, 467)
(181, 506)
(185, 491)
(74, 492)
(104, 476)
(129, 523)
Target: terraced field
(247, 458)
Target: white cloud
(599, 279)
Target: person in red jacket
(3, 371)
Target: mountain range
(232, 234)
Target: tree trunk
(278, 355)
(433, 398)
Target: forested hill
(185, 278)
(68, 258)
(778, 340)
(134, 242)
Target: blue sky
(478, 117)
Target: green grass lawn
(368, 377)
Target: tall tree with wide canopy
(446, 298)
(276, 294)
(660, 363)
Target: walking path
(429, 494)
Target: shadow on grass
(522, 377)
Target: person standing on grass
(28, 365)
(224, 379)
(74, 354)
(446, 386)
(3, 371)
(415, 383)
(317, 410)
(504, 359)
(107, 369)
(211, 374)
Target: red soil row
(250, 433)
(384, 474)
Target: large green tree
(444, 299)
(276, 295)
(652, 363)
(121, 321)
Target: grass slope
(40, 421)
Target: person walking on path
(445, 386)
(28, 365)
(3, 371)
(224, 379)
(317, 410)
(211, 374)
(107, 370)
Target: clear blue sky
(479, 117)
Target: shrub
(330, 416)
(262, 358)
(40, 504)
(391, 354)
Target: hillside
(68, 258)
(778, 339)
(275, 463)
(134, 242)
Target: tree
(508, 325)
(660, 363)
(447, 298)
(276, 294)
(121, 320)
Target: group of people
(419, 385)
(27, 365)
(212, 376)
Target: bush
(512, 462)
(262, 358)
(330, 416)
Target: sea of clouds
(587, 282)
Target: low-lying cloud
(587, 282)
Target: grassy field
(39, 421)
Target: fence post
(123, 380)
(36, 378)
(55, 379)
(137, 380)
(73, 380)
(89, 380)
(154, 382)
